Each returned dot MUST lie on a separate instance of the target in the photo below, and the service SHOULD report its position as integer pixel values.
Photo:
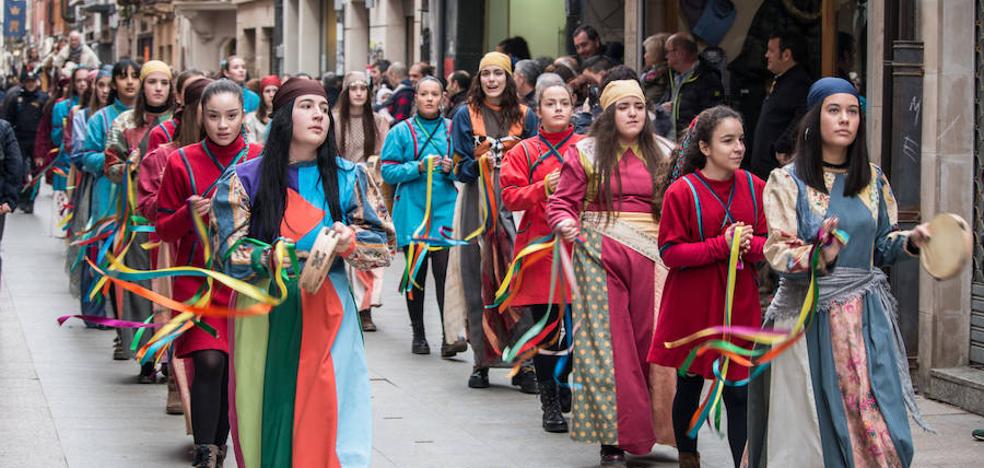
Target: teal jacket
(58, 115)
(104, 192)
(251, 100)
(405, 146)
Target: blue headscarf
(827, 87)
(104, 71)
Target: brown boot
(689, 460)
(365, 317)
(174, 405)
(206, 456)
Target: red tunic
(193, 170)
(694, 294)
(161, 134)
(149, 179)
(522, 177)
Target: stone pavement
(64, 402)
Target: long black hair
(270, 200)
(120, 70)
(809, 155)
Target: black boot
(479, 378)
(612, 455)
(206, 456)
(365, 319)
(566, 398)
(553, 420)
(419, 344)
(526, 381)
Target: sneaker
(526, 381)
(479, 379)
(978, 434)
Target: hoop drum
(319, 260)
(949, 247)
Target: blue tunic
(409, 142)
(92, 156)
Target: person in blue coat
(234, 68)
(412, 146)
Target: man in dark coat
(784, 106)
(695, 85)
(24, 113)
(11, 173)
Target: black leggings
(686, 402)
(210, 397)
(543, 363)
(439, 261)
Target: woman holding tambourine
(840, 396)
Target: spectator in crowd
(784, 106)
(587, 88)
(696, 86)
(587, 42)
(331, 83)
(377, 74)
(11, 173)
(458, 83)
(516, 48)
(845, 57)
(24, 114)
(525, 73)
(400, 103)
(655, 76)
(420, 70)
(565, 66)
(76, 52)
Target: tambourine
(319, 260)
(949, 247)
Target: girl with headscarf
(482, 131)
(411, 145)
(166, 131)
(359, 138)
(839, 397)
(300, 393)
(126, 143)
(530, 173)
(258, 121)
(188, 184)
(124, 88)
(608, 196)
(701, 211)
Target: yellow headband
(497, 59)
(618, 90)
(154, 66)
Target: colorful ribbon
(758, 359)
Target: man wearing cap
(24, 113)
